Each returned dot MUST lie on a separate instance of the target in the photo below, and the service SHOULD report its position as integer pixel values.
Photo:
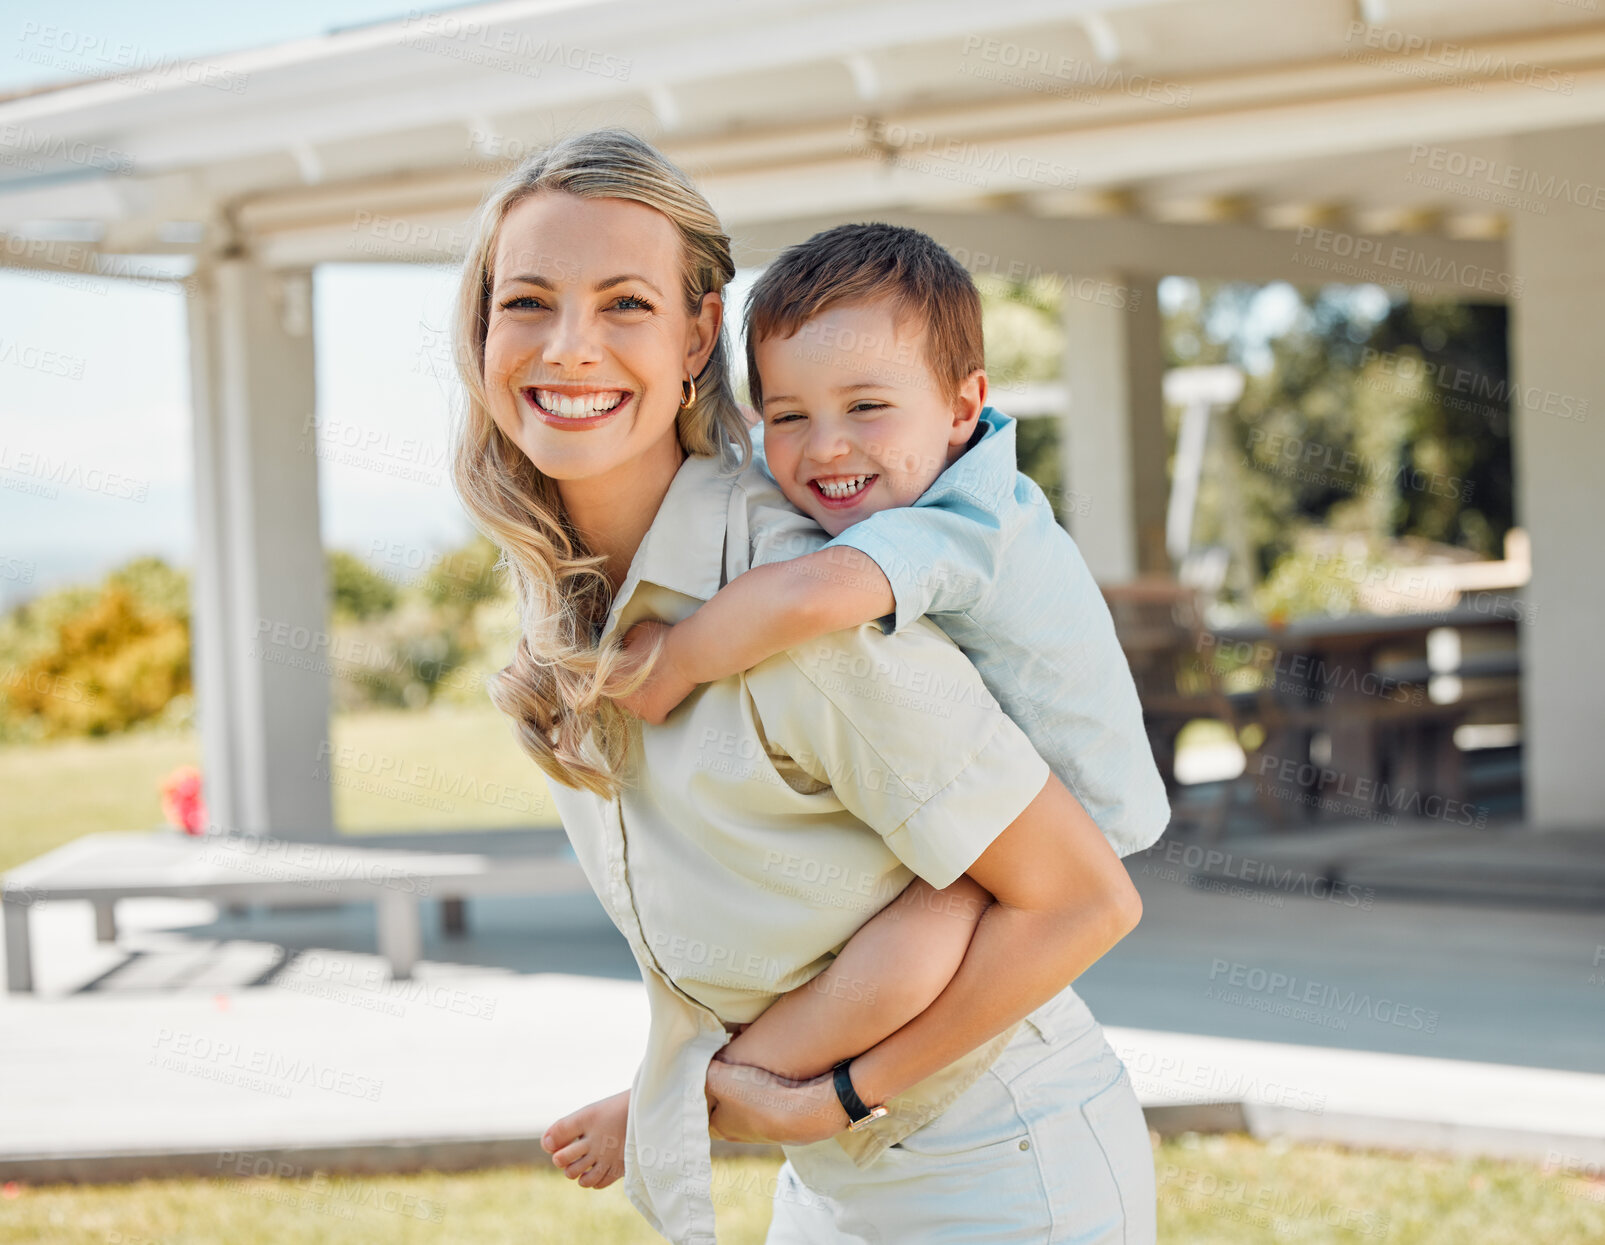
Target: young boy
(865, 362)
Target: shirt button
(1025, 1145)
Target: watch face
(875, 1113)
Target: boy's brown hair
(861, 263)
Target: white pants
(1048, 1146)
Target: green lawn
(1212, 1191)
(413, 771)
(500, 1207)
(446, 769)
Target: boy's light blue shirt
(983, 555)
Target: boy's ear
(967, 407)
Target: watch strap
(857, 1112)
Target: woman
(741, 843)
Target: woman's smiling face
(587, 338)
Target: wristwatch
(858, 1115)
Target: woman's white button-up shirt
(770, 816)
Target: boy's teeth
(842, 488)
(578, 407)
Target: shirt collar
(986, 470)
(683, 550)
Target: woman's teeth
(578, 407)
(840, 490)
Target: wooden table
(1391, 747)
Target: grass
(1226, 1190)
(502, 1206)
(447, 769)
(416, 771)
(1233, 1190)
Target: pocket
(1115, 1118)
(981, 1122)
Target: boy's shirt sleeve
(941, 557)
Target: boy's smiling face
(854, 419)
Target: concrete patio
(200, 1038)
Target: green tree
(115, 662)
(357, 591)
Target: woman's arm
(764, 611)
(1062, 900)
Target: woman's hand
(754, 1104)
(665, 688)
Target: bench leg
(105, 920)
(454, 916)
(400, 936)
(19, 961)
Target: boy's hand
(748, 1103)
(655, 699)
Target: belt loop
(1046, 1029)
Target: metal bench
(241, 869)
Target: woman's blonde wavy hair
(558, 686)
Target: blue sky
(114, 394)
(114, 399)
(175, 27)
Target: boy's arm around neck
(777, 606)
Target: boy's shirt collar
(986, 470)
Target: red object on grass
(182, 802)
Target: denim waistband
(1064, 1016)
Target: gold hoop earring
(687, 398)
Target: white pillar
(259, 592)
(1558, 447)
(1114, 444)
